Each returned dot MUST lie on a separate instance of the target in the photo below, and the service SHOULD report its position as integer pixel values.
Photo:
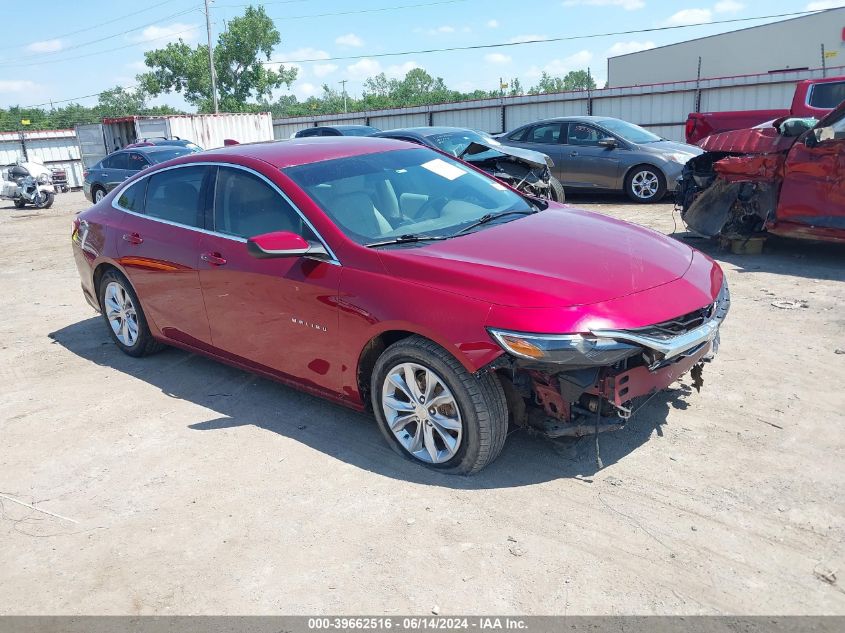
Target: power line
(42, 56)
(95, 26)
(567, 38)
(480, 46)
(108, 50)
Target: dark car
(596, 153)
(523, 169)
(337, 130)
(161, 141)
(122, 164)
(380, 274)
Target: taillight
(690, 129)
(85, 174)
(75, 225)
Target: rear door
(546, 138)
(812, 197)
(587, 164)
(158, 246)
(277, 314)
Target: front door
(812, 197)
(277, 314)
(586, 163)
(158, 247)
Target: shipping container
(209, 131)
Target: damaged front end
(525, 170)
(580, 384)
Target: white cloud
(398, 71)
(497, 58)
(624, 48)
(728, 6)
(685, 17)
(18, 85)
(350, 39)
(45, 46)
(363, 68)
(527, 38)
(303, 90)
(821, 5)
(440, 30)
(492, 24)
(158, 36)
(321, 70)
(628, 5)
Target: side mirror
(609, 143)
(283, 244)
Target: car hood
(534, 159)
(667, 147)
(556, 258)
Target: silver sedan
(601, 153)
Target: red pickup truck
(813, 98)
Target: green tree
(119, 101)
(239, 58)
(573, 80)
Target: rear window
(828, 95)
(132, 199)
(167, 154)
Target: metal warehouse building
(809, 41)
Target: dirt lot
(184, 486)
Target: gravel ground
(178, 485)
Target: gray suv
(596, 153)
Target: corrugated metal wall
(663, 108)
(56, 149)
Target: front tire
(434, 412)
(45, 201)
(645, 184)
(558, 194)
(124, 316)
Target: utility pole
(211, 59)
(342, 82)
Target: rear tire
(471, 409)
(558, 194)
(97, 194)
(19, 204)
(645, 184)
(124, 316)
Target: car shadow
(781, 256)
(239, 399)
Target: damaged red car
(388, 276)
(786, 178)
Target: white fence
(662, 108)
(53, 148)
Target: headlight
(43, 179)
(564, 349)
(679, 157)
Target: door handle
(133, 238)
(215, 259)
(573, 153)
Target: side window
(174, 195)
(311, 131)
(827, 95)
(115, 161)
(132, 199)
(136, 162)
(581, 134)
(548, 133)
(519, 135)
(246, 206)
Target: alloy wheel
(422, 413)
(121, 314)
(645, 184)
(99, 195)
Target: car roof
(426, 131)
(296, 151)
(150, 149)
(578, 118)
(350, 127)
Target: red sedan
(376, 273)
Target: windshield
(377, 197)
(629, 131)
(455, 143)
(167, 154)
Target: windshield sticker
(498, 185)
(444, 169)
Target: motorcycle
(28, 183)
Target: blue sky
(81, 48)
